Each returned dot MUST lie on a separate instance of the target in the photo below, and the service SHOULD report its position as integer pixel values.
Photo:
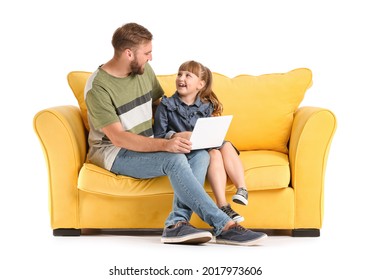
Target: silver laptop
(210, 132)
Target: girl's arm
(160, 127)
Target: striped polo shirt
(126, 100)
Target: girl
(176, 117)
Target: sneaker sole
(246, 243)
(196, 238)
(239, 200)
(238, 219)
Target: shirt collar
(179, 101)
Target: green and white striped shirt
(126, 100)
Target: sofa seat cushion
(264, 170)
(97, 180)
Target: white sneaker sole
(195, 238)
(239, 219)
(239, 200)
(246, 243)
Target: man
(119, 96)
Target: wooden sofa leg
(66, 232)
(305, 232)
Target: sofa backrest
(77, 81)
(262, 106)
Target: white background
(41, 41)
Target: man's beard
(136, 69)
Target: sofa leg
(66, 232)
(305, 232)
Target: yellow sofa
(284, 149)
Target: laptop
(210, 132)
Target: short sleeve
(101, 111)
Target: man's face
(141, 56)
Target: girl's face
(188, 84)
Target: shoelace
(238, 227)
(180, 223)
(228, 210)
(242, 192)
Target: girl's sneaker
(232, 214)
(241, 196)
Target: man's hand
(178, 145)
(184, 134)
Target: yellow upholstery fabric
(100, 181)
(286, 183)
(264, 170)
(77, 81)
(263, 106)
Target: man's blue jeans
(187, 176)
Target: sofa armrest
(311, 136)
(63, 140)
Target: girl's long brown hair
(206, 93)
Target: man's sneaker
(238, 235)
(185, 233)
(231, 213)
(241, 196)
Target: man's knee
(176, 161)
(203, 157)
(200, 157)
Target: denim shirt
(173, 115)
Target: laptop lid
(210, 132)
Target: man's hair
(129, 36)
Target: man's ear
(129, 54)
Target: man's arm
(123, 139)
